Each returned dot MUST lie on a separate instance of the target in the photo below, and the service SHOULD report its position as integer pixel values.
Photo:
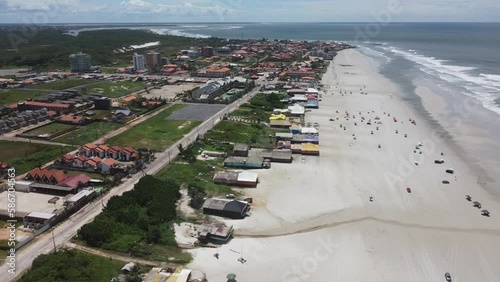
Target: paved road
(66, 230)
(37, 141)
(125, 259)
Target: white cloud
(144, 7)
(54, 7)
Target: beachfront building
(305, 138)
(215, 232)
(169, 274)
(226, 208)
(153, 60)
(243, 178)
(240, 150)
(139, 62)
(296, 110)
(244, 162)
(80, 62)
(281, 156)
(280, 123)
(306, 149)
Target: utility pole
(54, 241)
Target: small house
(240, 150)
(226, 208)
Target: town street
(66, 230)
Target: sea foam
(484, 87)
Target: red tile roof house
(87, 150)
(104, 151)
(128, 154)
(94, 163)
(75, 181)
(100, 151)
(67, 159)
(73, 119)
(113, 152)
(107, 164)
(80, 161)
(46, 176)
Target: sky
(121, 11)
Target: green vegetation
(198, 174)
(12, 96)
(101, 114)
(64, 84)
(257, 135)
(50, 48)
(88, 133)
(24, 156)
(267, 102)
(72, 266)
(117, 89)
(139, 222)
(50, 129)
(156, 133)
(260, 107)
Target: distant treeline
(44, 47)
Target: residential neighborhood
(103, 128)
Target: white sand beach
(312, 220)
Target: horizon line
(259, 22)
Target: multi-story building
(138, 62)
(80, 62)
(153, 60)
(207, 51)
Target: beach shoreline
(321, 204)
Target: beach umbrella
(231, 277)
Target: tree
(153, 235)
(180, 147)
(97, 233)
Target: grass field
(13, 96)
(72, 266)
(49, 129)
(117, 89)
(155, 133)
(64, 84)
(251, 114)
(198, 172)
(88, 133)
(256, 135)
(24, 156)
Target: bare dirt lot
(199, 112)
(169, 91)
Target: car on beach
(447, 276)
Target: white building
(138, 62)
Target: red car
(408, 190)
